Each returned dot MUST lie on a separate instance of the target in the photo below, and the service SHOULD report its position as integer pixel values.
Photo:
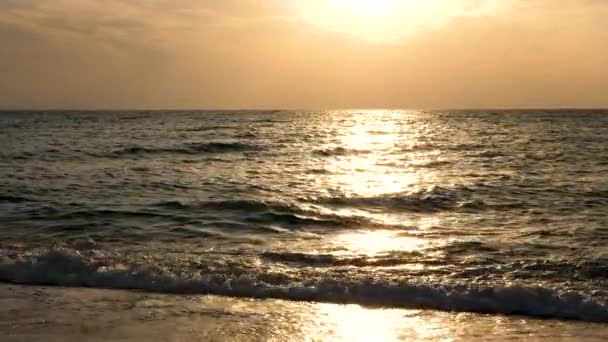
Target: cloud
(248, 53)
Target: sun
(373, 8)
(388, 20)
(372, 20)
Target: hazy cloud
(248, 53)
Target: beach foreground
(35, 313)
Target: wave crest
(71, 268)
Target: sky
(303, 54)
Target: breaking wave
(70, 268)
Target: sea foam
(70, 268)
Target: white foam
(70, 268)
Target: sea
(499, 212)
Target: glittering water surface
(498, 212)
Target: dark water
(501, 212)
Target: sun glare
(373, 243)
(376, 8)
(385, 20)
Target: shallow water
(495, 212)
(75, 314)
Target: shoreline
(42, 313)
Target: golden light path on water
(355, 323)
(371, 243)
(369, 170)
(374, 134)
(298, 321)
(372, 167)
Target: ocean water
(500, 212)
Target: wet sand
(34, 313)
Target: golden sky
(305, 54)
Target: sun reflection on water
(353, 323)
(372, 243)
(356, 323)
(372, 168)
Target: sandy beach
(34, 313)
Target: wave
(330, 260)
(446, 147)
(308, 221)
(13, 199)
(191, 148)
(71, 268)
(429, 200)
(241, 205)
(106, 213)
(134, 117)
(246, 135)
(433, 199)
(279, 212)
(206, 128)
(431, 164)
(319, 172)
(233, 215)
(338, 151)
(46, 154)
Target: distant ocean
(500, 212)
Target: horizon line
(270, 109)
